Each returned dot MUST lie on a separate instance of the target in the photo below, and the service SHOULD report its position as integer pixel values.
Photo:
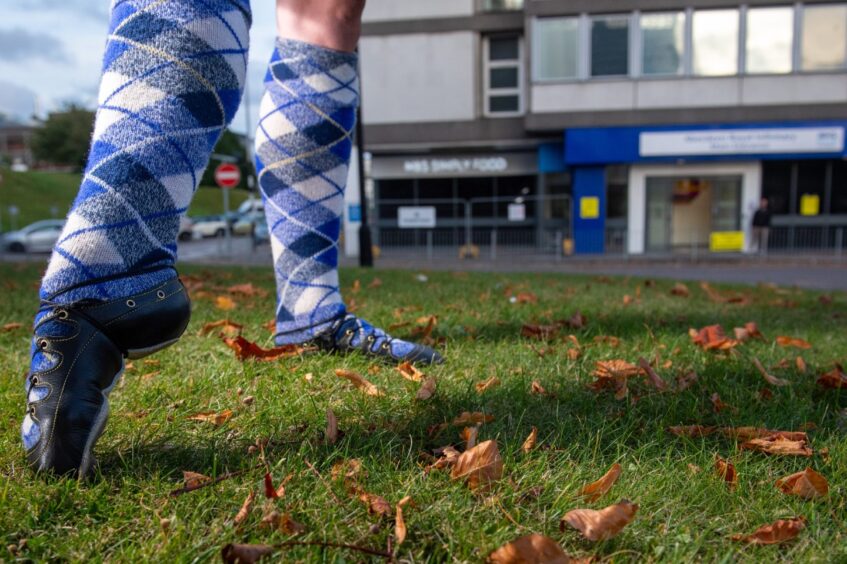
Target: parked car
(250, 205)
(38, 237)
(186, 225)
(248, 223)
(209, 226)
(261, 234)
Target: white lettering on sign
(742, 141)
(458, 166)
(416, 217)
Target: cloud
(16, 102)
(18, 45)
(97, 9)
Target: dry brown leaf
(537, 389)
(574, 354)
(247, 290)
(530, 549)
(359, 381)
(225, 303)
(784, 341)
(449, 456)
(684, 381)
(351, 470)
(245, 350)
(834, 379)
(399, 521)
(747, 433)
(603, 524)
(807, 484)
(725, 470)
(576, 321)
(778, 445)
(469, 435)
(540, 332)
(192, 480)
(530, 441)
(375, 283)
(712, 338)
(245, 553)
(227, 327)
(10, 327)
(615, 369)
(282, 522)
(595, 490)
(242, 514)
(356, 287)
(376, 504)
(526, 298)
(487, 384)
(425, 326)
(479, 466)
(475, 418)
(718, 405)
(681, 290)
(214, 417)
(331, 434)
(769, 378)
(692, 431)
(775, 533)
(655, 379)
(427, 389)
(410, 372)
(749, 331)
(800, 364)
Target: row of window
(722, 42)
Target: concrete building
(647, 126)
(16, 143)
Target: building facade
(644, 127)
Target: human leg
(172, 79)
(303, 145)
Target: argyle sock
(173, 74)
(303, 150)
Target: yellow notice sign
(810, 204)
(589, 207)
(726, 241)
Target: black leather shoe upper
(78, 354)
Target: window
(502, 5)
(503, 76)
(824, 44)
(663, 43)
(555, 48)
(610, 46)
(776, 185)
(839, 187)
(770, 33)
(715, 42)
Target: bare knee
(332, 23)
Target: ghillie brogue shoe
(78, 356)
(351, 333)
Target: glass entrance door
(659, 213)
(726, 204)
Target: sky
(51, 54)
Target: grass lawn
(686, 511)
(34, 193)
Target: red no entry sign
(227, 175)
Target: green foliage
(64, 137)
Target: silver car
(38, 237)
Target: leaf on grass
(469, 435)
(487, 384)
(448, 457)
(270, 490)
(479, 466)
(576, 321)
(655, 379)
(800, 364)
(376, 504)
(399, 521)
(475, 418)
(530, 549)
(718, 404)
(537, 389)
(807, 484)
(245, 350)
(427, 389)
(681, 290)
(410, 372)
(834, 379)
(712, 338)
(775, 533)
(779, 445)
(784, 341)
(245, 553)
(359, 381)
(749, 331)
(725, 470)
(10, 327)
(615, 369)
(595, 490)
(747, 433)
(603, 524)
(225, 303)
(248, 290)
(526, 298)
(684, 381)
(375, 283)
(226, 326)
(692, 431)
(769, 378)
(356, 287)
(282, 522)
(351, 470)
(425, 326)
(216, 418)
(242, 514)
(193, 480)
(331, 434)
(530, 441)
(540, 332)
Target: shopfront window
(776, 185)
(824, 44)
(663, 43)
(555, 48)
(811, 183)
(610, 46)
(715, 42)
(839, 187)
(770, 38)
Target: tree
(64, 136)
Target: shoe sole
(103, 414)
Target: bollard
(493, 244)
(429, 245)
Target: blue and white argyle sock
(303, 145)
(173, 75)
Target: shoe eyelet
(33, 380)
(371, 338)
(130, 303)
(384, 346)
(31, 411)
(43, 343)
(349, 332)
(160, 294)
(63, 314)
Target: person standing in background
(761, 228)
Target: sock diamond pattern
(172, 80)
(303, 150)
